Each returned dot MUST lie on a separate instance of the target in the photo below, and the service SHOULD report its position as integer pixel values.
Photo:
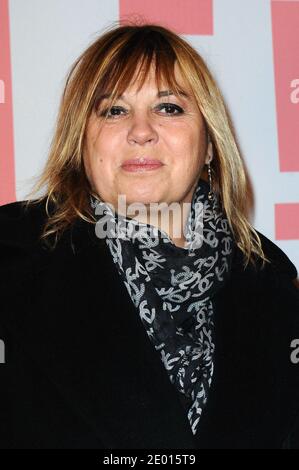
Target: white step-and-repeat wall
(251, 46)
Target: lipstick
(141, 164)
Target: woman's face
(165, 128)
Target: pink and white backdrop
(251, 46)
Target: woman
(128, 325)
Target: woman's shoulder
(20, 223)
(20, 229)
(279, 264)
(279, 260)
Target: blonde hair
(107, 66)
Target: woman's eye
(171, 108)
(114, 112)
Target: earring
(210, 155)
(211, 192)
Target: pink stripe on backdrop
(7, 167)
(183, 16)
(285, 30)
(287, 221)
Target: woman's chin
(142, 199)
(145, 193)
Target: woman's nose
(141, 130)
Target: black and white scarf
(173, 287)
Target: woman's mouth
(141, 166)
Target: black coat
(81, 372)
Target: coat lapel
(76, 321)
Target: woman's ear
(209, 154)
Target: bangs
(131, 61)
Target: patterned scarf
(173, 287)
